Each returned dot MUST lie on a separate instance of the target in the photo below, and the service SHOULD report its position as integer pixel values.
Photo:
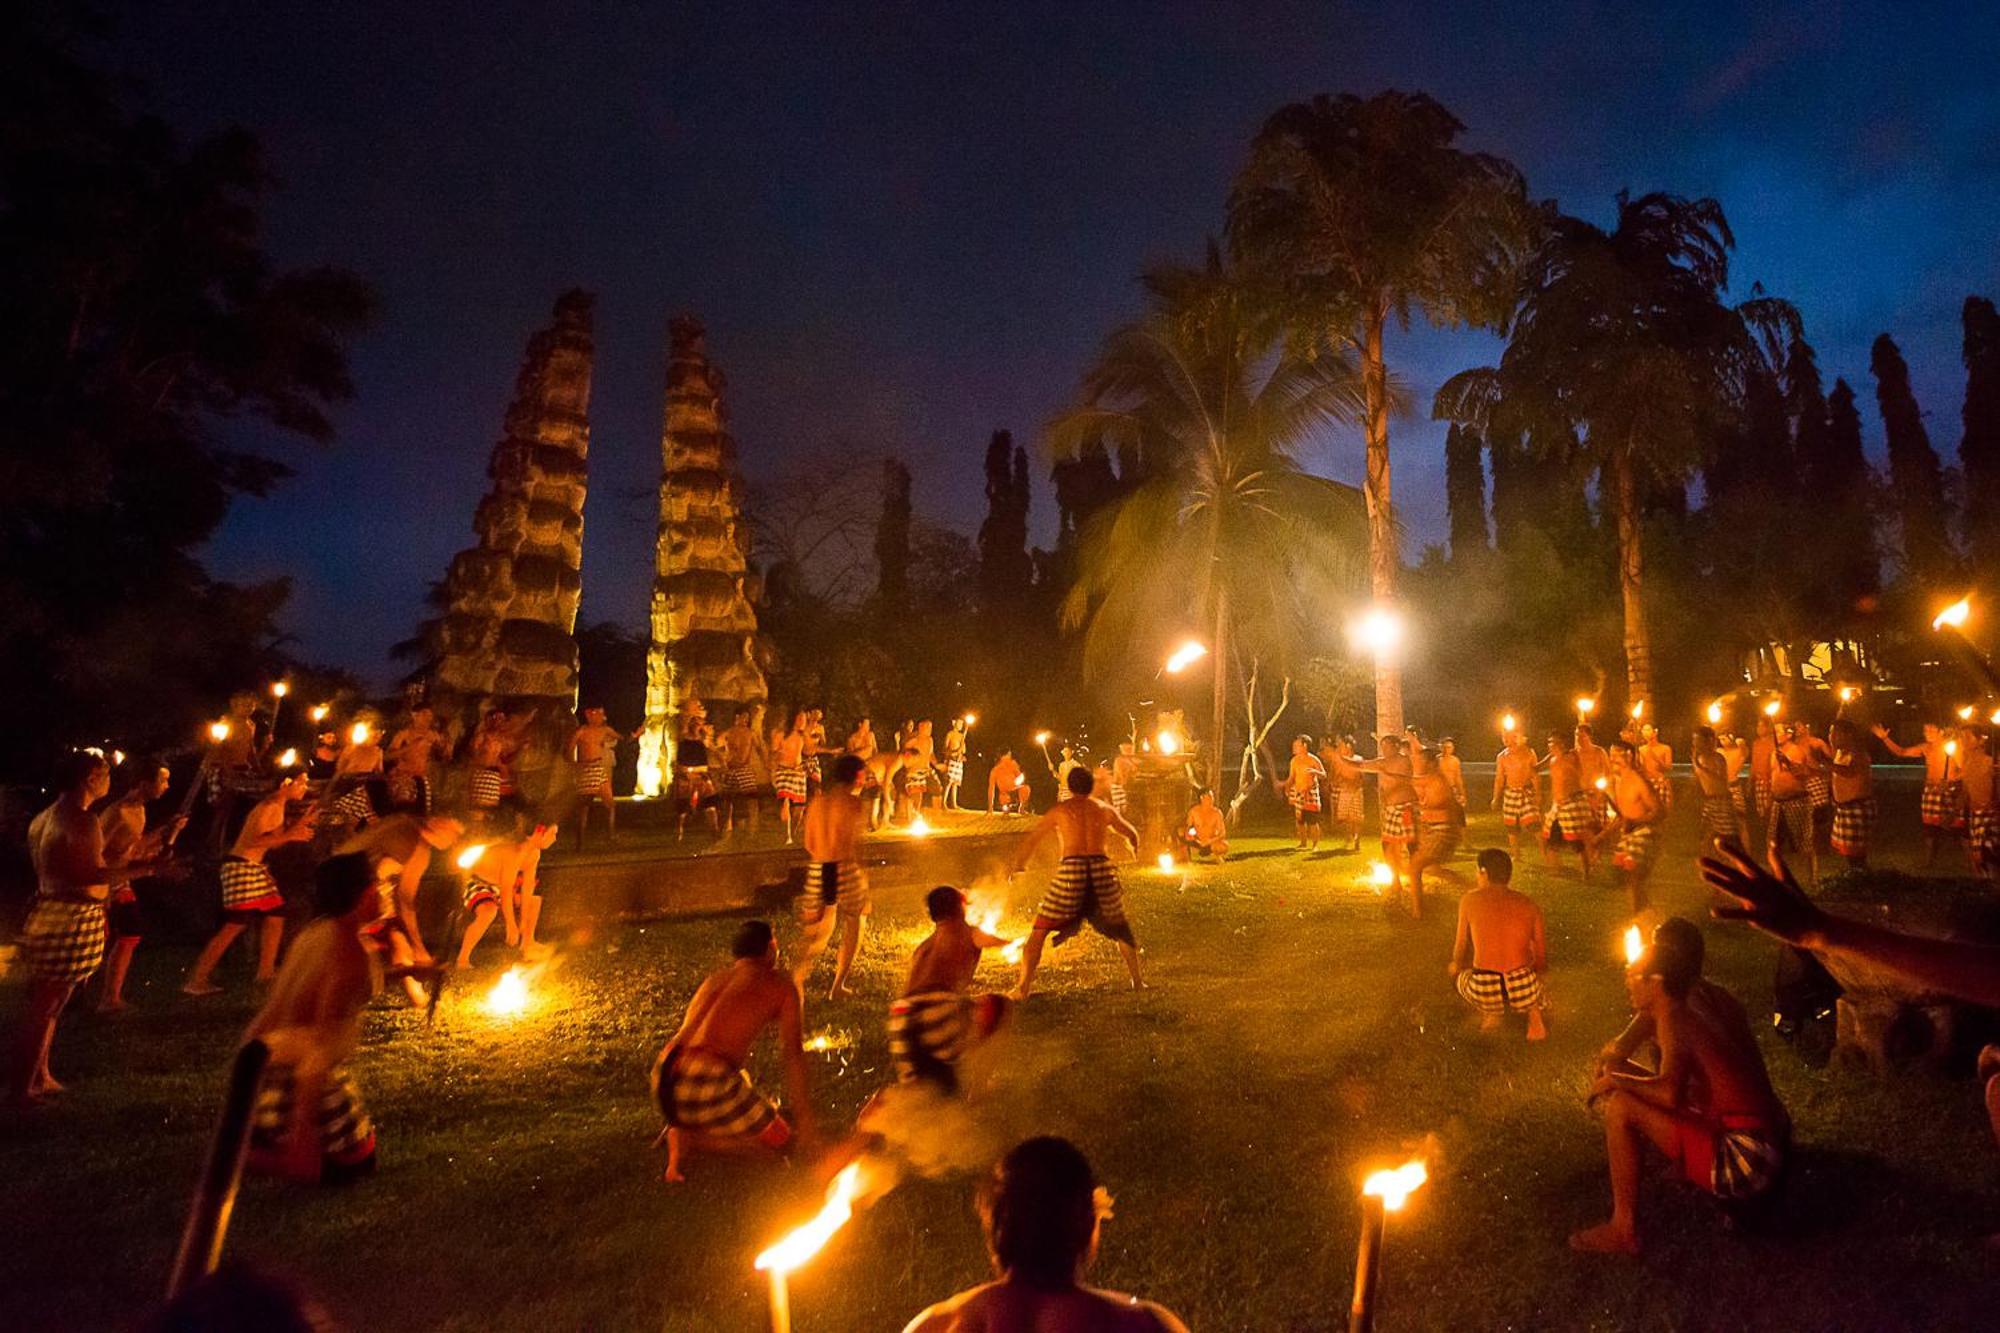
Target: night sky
(908, 225)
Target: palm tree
(1226, 524)
(1624, 336)
(1363, 209)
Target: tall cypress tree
(1005, 568)
(892, 536)
(1843, 475)
(1465, 494)
(1916, 480)
(1979, 447)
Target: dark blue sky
(908, 224)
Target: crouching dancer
(699, 1083)
(309, 1123)
(1710, 1109)
(1501, 951)
(938, 1020)
(1042, 1211)
(1086, 884)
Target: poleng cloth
(247, 886)
(930, 1032)
(593, 775)
(1493, 992)
(1305, 800)
(1944, 805)
(1792, 824)
(1638, 848)
(1853, 821)
(63, 939)
(831, 884)
(1085, 888)
(1349, 804)
(1399, 823)
(698, 1090)
(1573, 817)
(346, 1134)
(1733, 1157)
(790, 782)
(1517, 807)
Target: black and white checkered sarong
(1349, 804)
(1517, 808)
(790, 781)
(1638, 848)
(1718, 817)
(831, 884)
(63, 939)
(1085, 888)
(930, 1032)
(247, 886)
(1853, 821)
(486, 787)
(1944, 805)
(699, 1090)
(1792, 824)
(346, 1134)
(1399, 823)
(1496, 992)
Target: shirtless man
(1453, 770)
(593, 748)
(229, 767)
(248, 891)
(1709, 1109)
(1982, 824)
(835, 885)
(503, 881)
(816, 755)
(1736, 769)
(1344, 773)
(1944, 793)
(1656, 761)
(1207, 831)
(693, 791)
(1301, 787)
(123, 826)
(489, 751)
(1635, 825)
(788, 770)
(1442, 820)
(954, 763)
(1720, 821)
(1043, 1213)
(1572, 821)
(411, 752)
(1854, 807)
(1501, 952)
(1396, 798)
(1006, 786)
(1086, 884)
(358, 776)
(1819, 775)
(1763, 763)
(1124, 769)
(738, 749)
(1517, 788)
(400, 849)
(62, 941)
(937, 1020)
(1593, 763)
(698, 1081)
(309, 1123)
(919, 758)
(1791, 829)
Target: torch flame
(509, 996)
(1380, 876)
(218, 732)
(1020, 779)
(1954, 615)
(802, 1244)
(319, 712)
(360, 733)
(1635, 944)
(1166, 863)
(1773, 708)
(1638, 709)
(1041, 738)
(279, 689)
(470, 856)
(971, 718)
(1951, 747)
(1847, 693)
(1965, 713)
(1715, 714)
(1507, 724)
(1586, 705)
(1602, 784)
(1395, 1187)
(289, 758)
(1186, 656)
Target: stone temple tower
(704, 623)
(511, 598)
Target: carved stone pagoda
(704, 622)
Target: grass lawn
(1295, 1034)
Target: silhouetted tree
(1005, 569)
(1916, 480)
(1841, 473)
(1465, 494)
(1979, 447)
(892, 536)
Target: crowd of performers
(1685, 1076)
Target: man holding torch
(1944, 793)
(1635, 826)
(1517, 787)
(249, 893)
(1006, 786)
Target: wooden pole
(1367, 1265)
(215, 1196)
(781, 1303)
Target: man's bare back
(947, 960)
(734, 1005)
(1080, 824)
(833, 824)
(1005, 1307)
(1505, 929)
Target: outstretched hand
(1773, 904)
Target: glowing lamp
(1635, 945)
(509, 996)
(289, 759)
(359, 733)
(1380, 631)
(1186, 656)
(470, 856)
(1954, 615)
(218, 732)
(1170, 743)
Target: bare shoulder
(1132, 1315)
(963, 1313)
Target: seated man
(698, 1081)
(309, 1123)
(1042, 1212)
(1501, 951)
(1207, 830)
(1710, 1109)
(937, 1020)
(1006, 786)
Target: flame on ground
(1166, 863)
(919, 827)
(1380, 876)
(985, 913)
(509, 996)
(1635, 945)
(802, 1244)
(1395, 1187)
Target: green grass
(1294, 1036)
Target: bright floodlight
(1380, 631)
(1186, 656)
(1954, 615)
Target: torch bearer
(1585, 706)
(1383, 1193)
(279, 689)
